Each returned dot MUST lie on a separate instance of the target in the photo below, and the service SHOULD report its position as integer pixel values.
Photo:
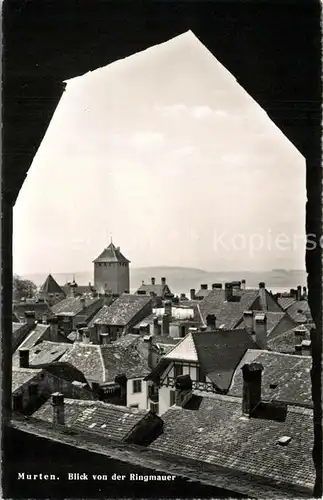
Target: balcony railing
(198, 386)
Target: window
(134, 406)
(136, 386)
(178, 370)
(172, 398)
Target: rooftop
(35, 336)
(218, 353)
(40, 309)
(43, 354)
(51, 286)
(103, 363)
(287, 341)
(111, 254)
(300, 312)
(218, 434)
(228, 313)
(21, 376)
(73, 305)
(285, 377)
(121, 311)
(99, 418)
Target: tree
(23, 289)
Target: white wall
(137, 398)
(164, 398)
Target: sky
(168, 154)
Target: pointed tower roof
(51, 286)
(111, 254)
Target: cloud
(147, 140)
(200, 112)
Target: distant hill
(182, 279)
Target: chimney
(183, 296)
(248, 321)
(73, 287)
(85, 335)
(66, 326)
(261, 330)
(306, 348)
(299, 293)
(217, 286)
(236, 285)
(149, 342)
(82, 300)
(262, 285)
(204, 286)
(165, 324)
(183, 390)
(211, 321)
(24, 358)
(53, 322)
(163, 281)
(251, 387)
(79, 331)
(152, 281)
(156, 327)
(304, 292)
(168, 308)
(300, 334)
(243, 284)
(30, 318)
(105, 338)
(121, 380)
(192, 293)
(228, 291)
(58, 408)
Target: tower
(111, 271)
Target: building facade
(111, 271)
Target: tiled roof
(111, 254)
(300, 312)
(66, 371)
(285, 302)
(290, 373)
(218, 434)
(103, 363)
(88, 359)
(73, 305)
(40, 309)
(218, 353)
(96, 417)
(51, 286)
(35, 336)
(228, 313)
(121, 311)
(21, 376)
(44, 353)
(203, 293)
(286, 341)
